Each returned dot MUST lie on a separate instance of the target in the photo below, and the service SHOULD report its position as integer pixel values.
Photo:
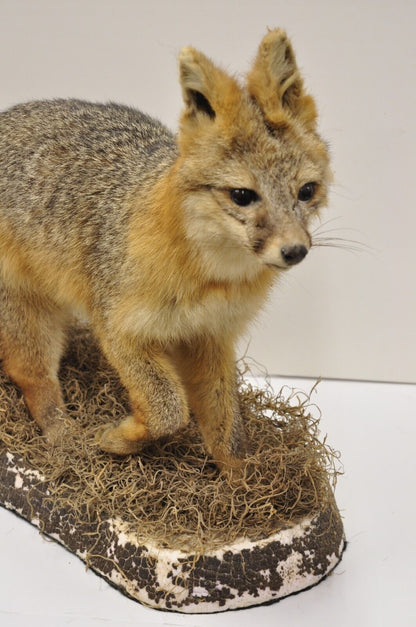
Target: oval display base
(237, 575)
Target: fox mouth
(275, 266)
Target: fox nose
(293, 254)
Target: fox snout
(287, 256)
(287, 249)
(294, 254)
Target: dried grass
(171, 492)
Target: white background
(339, 314)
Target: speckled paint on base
(238, 575)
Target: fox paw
(110, 440)
(55, 433)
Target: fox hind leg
(32, 331)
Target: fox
(169, 244)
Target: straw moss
(172, 492)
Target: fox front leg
(208, 371)
(157, 397)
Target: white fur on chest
(214, 314)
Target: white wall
(340, 314)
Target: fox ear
(276, 84)
(195, 75)
(206, 89)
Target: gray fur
(66, 166)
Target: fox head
(252, 168)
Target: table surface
(374, 427)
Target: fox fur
(168, 244)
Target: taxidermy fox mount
(170, 245)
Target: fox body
(169, 244)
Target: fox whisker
(349, 245)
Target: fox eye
(243, 196)
(307, 192)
